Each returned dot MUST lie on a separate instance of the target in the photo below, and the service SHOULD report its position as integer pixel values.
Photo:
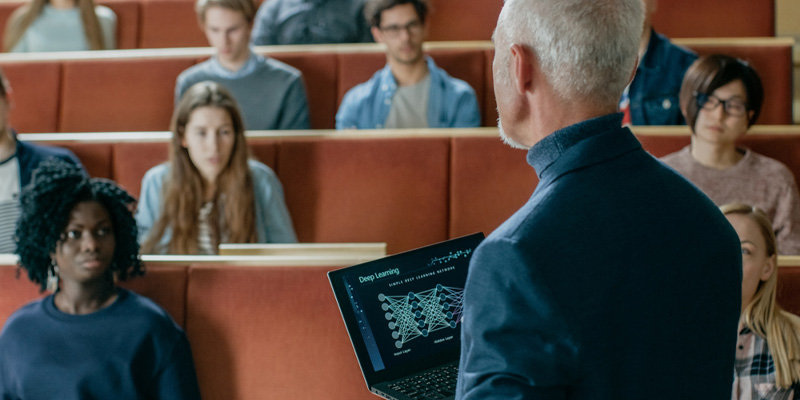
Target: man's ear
(635, 68)
(376, 34)
(522, 64)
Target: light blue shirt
(273, 224)
(451, 102)
(62, 30)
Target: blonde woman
(60, 25)
(209, 192)
(768, 350)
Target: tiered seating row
(266, 331)
(407, 189)
(133, 90)
(172, 23)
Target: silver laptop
(403, 315)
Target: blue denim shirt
(654, 91)
(452, 102)
(273, 224)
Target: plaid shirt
(754, 371)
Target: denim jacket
(273, 224)
(654, 91)
(452, 102)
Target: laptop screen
(404, 309)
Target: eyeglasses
(413, 28)
(735, 106)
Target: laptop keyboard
(437, 383)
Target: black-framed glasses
(733, 106)
(413, 28)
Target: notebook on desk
(403, 315)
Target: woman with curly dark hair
(89, 338)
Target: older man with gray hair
(618, 279)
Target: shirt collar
(249, 66)
(549, 149)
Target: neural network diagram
(418, 314)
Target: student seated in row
(60, 25)
(18, 159)
(652, 96)
(280, 22)
(411, 91)
(768, 348)
(721, 98)
(271, 94)
(89, 339)
(210, 192)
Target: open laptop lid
(403, 312)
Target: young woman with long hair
(209, 192)
(768, 349)
(60, 25)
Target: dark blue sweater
(131, 349)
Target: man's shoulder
(272, 66)
(457, 86)
(29, 152)
(663, 49)
(196, 73)
(364, 91)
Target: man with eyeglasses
(411, 91)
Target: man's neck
(409, 74)
(553, 114)
(8, 145)
(232, 64)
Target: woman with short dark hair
(721, 98)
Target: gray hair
(585, 48)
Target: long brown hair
(23, 17)
(763, 315)
(184, 189)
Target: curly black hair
(47, 201)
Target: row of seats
(172, 23)
(420, 187)
(133, 90)
(267, 331)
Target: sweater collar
(549, 149)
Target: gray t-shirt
(410, 106)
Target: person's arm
(178, 379)
(149, 205)
(295, 107)
(515, 343)
(276, 220)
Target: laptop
(403, 315)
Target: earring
(52, 277)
